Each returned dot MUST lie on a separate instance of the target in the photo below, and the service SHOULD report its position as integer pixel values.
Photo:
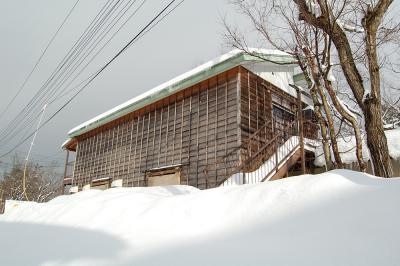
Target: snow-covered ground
(337, 218)
(347, 148)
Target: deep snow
(336, 218)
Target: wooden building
(217, 124)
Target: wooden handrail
(258, 137)
(273, 141)
(252, 136)
(243, 145)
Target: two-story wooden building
(234, 119)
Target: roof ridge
(231, 59)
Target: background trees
(43, 183)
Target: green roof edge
(216, 69)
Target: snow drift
(337, 218)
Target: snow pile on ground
(337, 218)
(347, 148)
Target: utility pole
(29, 153)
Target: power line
(96, 54)
(84, 48)
(86, 53)
(39, 60)
(27, 109)
(136, 37)
(109, 28)
(29, 153)
(93, 46)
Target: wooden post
(2, 203)
(66, 163)
(65, 172)
(130, 154)
(301, 132)
(190, 137)
(276, 148)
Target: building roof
(196, 75)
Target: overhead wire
(82, 50)
(31, 122)
(93, 46)
(150, 28)
(98, 72)
(97, 53)
(61, 64)
(104, 33)
(28, 110)
(39, 60)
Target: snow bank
(348, 151)
(337, 218)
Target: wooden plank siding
(193, 127)
(257, 97)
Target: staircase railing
(68, 173)
(267, 148)
(273, 146)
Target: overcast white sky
(188, 37)
(193, 34)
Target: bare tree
(366, 17)
(42, 184)
(312, 49)
(309, 29)
(391, 112)
(318, 113)
(312, 63)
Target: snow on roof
(65, 143)
(336, 218)
(348, 153)
(120, 110)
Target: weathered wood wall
(256, 106)
(193, 128)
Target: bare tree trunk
(324, 132)
(331, 127)
(376, 140)
(315, 73)
(320, 117)
(351, 119)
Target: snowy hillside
(336, 218)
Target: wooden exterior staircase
(270, 152)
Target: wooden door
(167, 179)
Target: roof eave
(185, 83)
